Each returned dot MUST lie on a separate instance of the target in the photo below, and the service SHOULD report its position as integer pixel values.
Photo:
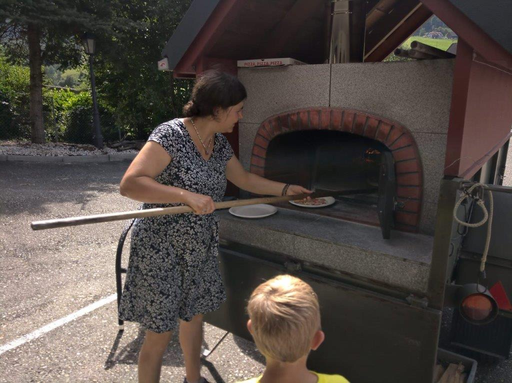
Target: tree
(48, 31)
(128, 79)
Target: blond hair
(285, 316)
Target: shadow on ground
(43, 184)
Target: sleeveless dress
(173, 271)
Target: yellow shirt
(322, 378)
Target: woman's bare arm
(256, 184)
(139, 183)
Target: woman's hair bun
(191, 109)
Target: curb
(69, 159)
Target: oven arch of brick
(397, 138)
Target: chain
(200, 139)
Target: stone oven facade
(404, 106)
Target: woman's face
(229, 117)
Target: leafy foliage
(128, 78)
(14, 100)
(130, 36)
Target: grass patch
(443, 44)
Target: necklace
(205, 147)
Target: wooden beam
(384, 45)
(380, 10)
(289, 26)
(461, 76)
(386, 25)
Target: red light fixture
(476, 304)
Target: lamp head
(89, 43)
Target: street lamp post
(89, 43)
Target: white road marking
(60, 322)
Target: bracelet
(285, 189)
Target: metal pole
(442, 242)
(97, 137)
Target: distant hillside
(435, 28)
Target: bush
(7, 126)
(15, 101)
(78, 120)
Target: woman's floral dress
(173, 271)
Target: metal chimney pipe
(347, 31)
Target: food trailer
(422, 143)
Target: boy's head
(285, 318)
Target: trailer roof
(248, 29)
(494, 17)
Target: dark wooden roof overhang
(248, 29)
(223, 31)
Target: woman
(173, 271)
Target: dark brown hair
(214, 89)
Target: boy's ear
(318, 339)
(249, 326)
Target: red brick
(395, 133)
(325, 118)
(348, 121)
(256, 150)
(260, 141)
(404, 140)
(278, 129)
(294, 121)
(336, 119)
(314, 119)
(371, 128)
(409, 179)
(405, 154)
(258, 162)
(383, 132)
(408, 166)
(359, 125)
(411, 219)
(304, 119)
(283, 122)
(263, 131)
(408, 192)
(269, 124)
(409, 205)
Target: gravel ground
(54, 149)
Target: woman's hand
(201, 204)
(297, 189)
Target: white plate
(253, 211)
(328, 201)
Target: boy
(285, 324)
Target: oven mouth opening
(324, 160)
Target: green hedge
(14, 101)
(69, 117)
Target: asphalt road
(47, 275)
